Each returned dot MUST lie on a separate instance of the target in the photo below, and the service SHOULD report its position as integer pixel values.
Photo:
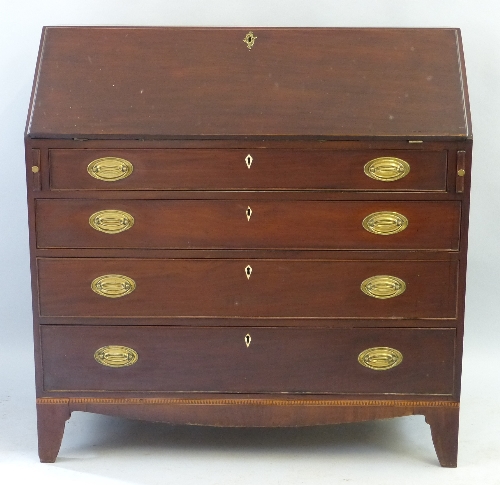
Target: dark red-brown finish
(311, 106)
(51, 421)
(220, 288)
(293, 360)
(227, 170)
(213, 224)
(444, 430)
(206, 83)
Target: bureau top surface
(188, 83)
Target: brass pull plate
(111, 221)
(110, 169)
(249, 39)
(385, 223)
(113, 285)
(387, 169)
(380, 358)
(383, 286)
(116, 356)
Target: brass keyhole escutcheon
(249, 213)
(249, 160)
(248, 340)
(248, 271)
(249, 39)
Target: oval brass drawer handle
(116, 356)
(383, 286)
(110, 169)
(387, 169)
(385, 223)
(111, 221)
(380, 358)
(113, 285)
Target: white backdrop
(320, 455)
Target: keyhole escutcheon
(248, 339)
(249, 213)
(249, 160)
(248, 271)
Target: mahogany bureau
(236, 227)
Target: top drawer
(254, 169)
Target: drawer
(249, 360)
(240, 224)
(246, 288)
(254, 169)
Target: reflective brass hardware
(111, 221)
(116, 356)
(380, 358)
(113, 285)
(383, 286)
(35, 169)
(249, 39)
(248, 271)
(249, 160)
(461, 165)
(248, 339)
(110, 169)
(387, 169)
(249, 213)
(385, 223)
(415, 141)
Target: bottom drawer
(248, 360)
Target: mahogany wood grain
(51, 420)
(220, 288)
(270, 169)
(444, 429)
(217, 224)
(334, 92)
(293, 360)
(205, 83)
(257, 412)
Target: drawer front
(247, 288)
(250, 360)
(254, 169)
(240, 224)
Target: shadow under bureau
(249, 228)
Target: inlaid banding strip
(243, 402)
